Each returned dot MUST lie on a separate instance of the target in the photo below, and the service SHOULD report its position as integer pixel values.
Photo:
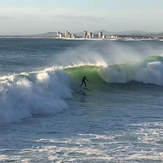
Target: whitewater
(46, 116)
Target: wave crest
(147, 71)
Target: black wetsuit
(83, 81)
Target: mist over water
(108, 52)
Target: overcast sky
(40, 16)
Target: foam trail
(22, 95)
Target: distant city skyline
(136, 35)
(39, 16)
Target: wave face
(25, 94)
(147, 71)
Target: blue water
(46, 116)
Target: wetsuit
(83, 81)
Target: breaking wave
(45, 92)
(25, 94)
(148, 71)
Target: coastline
(87, 39)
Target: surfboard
(87, 89)
(79, 92)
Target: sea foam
(147, 72)
(25, 94)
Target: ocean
(46, 116)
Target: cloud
(6, 17)
(36, 20)
(56, 13)
(82, 18)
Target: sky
(41, 16)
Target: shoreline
(86, 39)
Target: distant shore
(125, 37)
(91, 39)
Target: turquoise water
(46, 116)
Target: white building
(67, 34)
(100, 35)
(89, 35)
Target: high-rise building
(58, 33)
(89, 35)
(72, 35)
(67, 34)
(100, 35)
(85, 34)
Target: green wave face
(147, 71)
(91, 72)
(154, 58)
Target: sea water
(46, 116)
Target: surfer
(84, 81)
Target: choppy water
(46, 116)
